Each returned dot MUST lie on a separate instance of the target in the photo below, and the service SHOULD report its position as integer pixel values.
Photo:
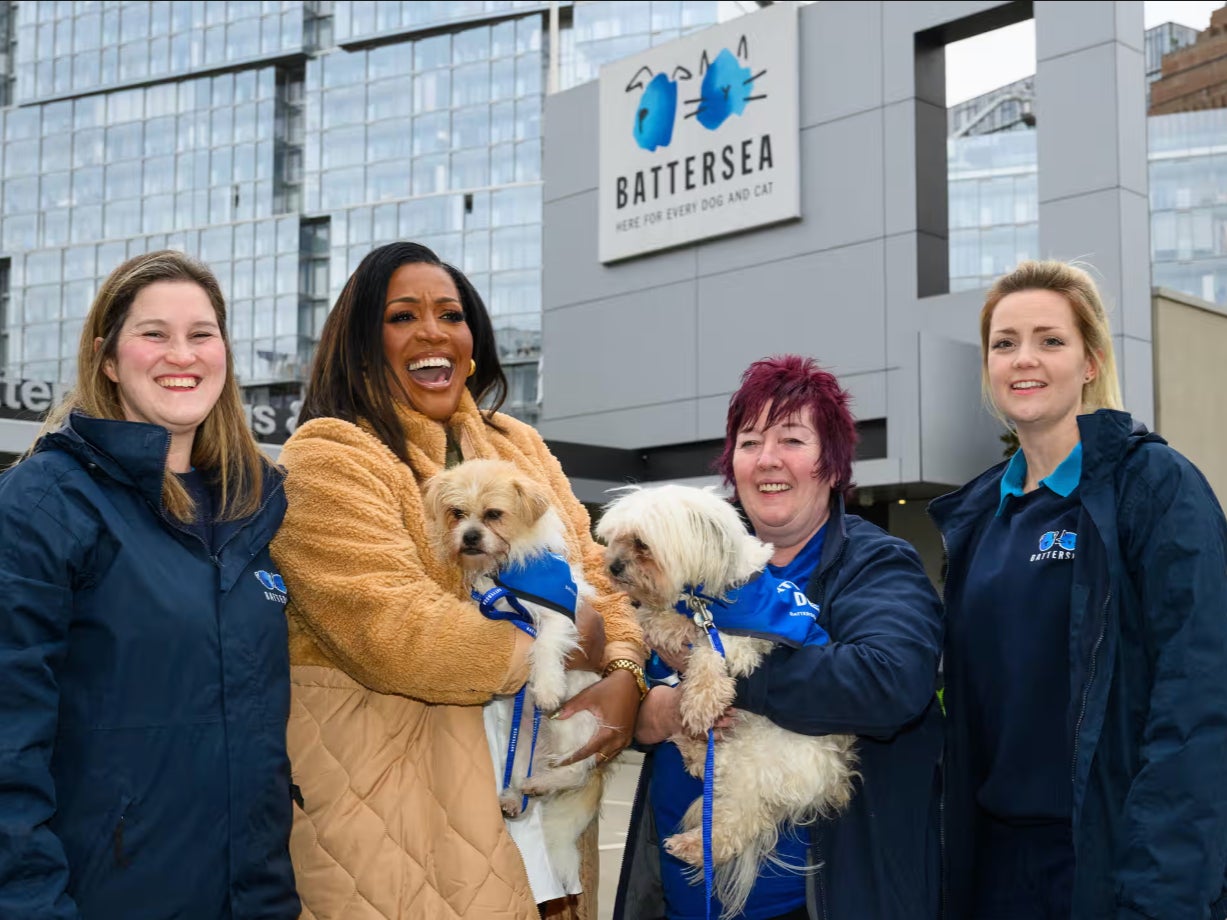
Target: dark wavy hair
(350, 377)
(790, 384)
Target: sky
(987, 61)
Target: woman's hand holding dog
(660, 717)
(614, 700)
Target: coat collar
(426, 439)
(1105, 435)
(131, 453)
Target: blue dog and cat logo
(727, 86)
(274, 586)
(1056, 544)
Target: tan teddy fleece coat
(389, 663)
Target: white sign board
(699, 137)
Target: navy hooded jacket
(144, 692)
(876, 678)
(1147, 724)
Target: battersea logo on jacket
(1056, 544)
(274, 586)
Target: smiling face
(775, 470)
(426, 341)
(1037, 362)
(169, 364)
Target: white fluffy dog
(661, 542)
(485, 514)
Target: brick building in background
(1195, 77)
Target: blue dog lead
(522, 620)
(694, 605)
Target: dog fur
(659, 541)
(483, 515)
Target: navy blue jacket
(1148, 685)
(144, 692)
(880, 859)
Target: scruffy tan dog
(662, 542)
(484, 515)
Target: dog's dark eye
(640, 546)
(457, 513)
(493, 514)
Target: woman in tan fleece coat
(398, 815)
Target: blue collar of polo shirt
(1063, 480)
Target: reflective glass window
(390, 99)
(432, 53)
(431, 133)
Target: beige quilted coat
(389, 665)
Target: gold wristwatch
(636, 671)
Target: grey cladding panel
(831, 305)
(633, 350)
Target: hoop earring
(472, 367)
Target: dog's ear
(532, 499)
(432, 500)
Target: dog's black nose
(616, 567)
(472, 537)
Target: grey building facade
(642, 355)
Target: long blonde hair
(1080, 291)
(224, 447)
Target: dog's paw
(511, 801)
(687, 846)
(548, 692)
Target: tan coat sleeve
(623, 637)
(354, 556)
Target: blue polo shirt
(1016, 645)
(778, 890)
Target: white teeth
(429, 362)
(178, 383)
(774, 487)
(1026, 385)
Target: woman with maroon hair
(788, 452)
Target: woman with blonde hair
(144, 677)
(1086, 639)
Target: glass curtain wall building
(280, 142)
(994, 198)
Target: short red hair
(790, 384)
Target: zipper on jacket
(819, 874)
(117, 844)
(1086, 690)
(216, 557)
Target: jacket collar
(837, 532)
(426, 439)
(1105, 435)
(131, 453)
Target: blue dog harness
(545, 580)
(770, 608)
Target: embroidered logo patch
(1056, 544)
(274, 586)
